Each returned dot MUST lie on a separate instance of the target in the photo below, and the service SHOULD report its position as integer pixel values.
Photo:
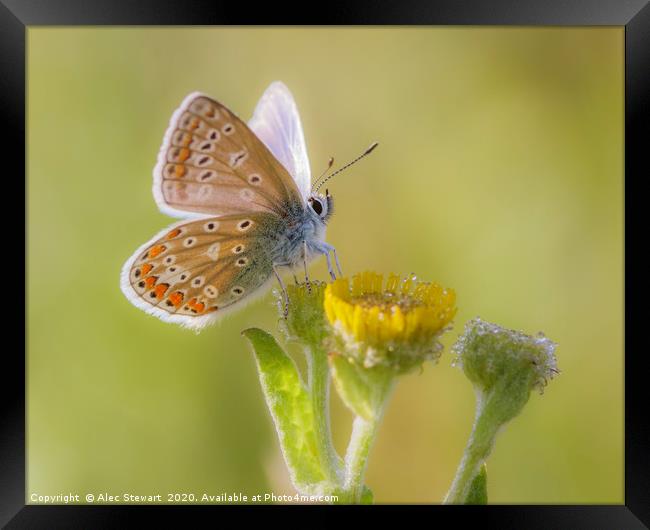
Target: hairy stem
(356, 461)
(478, 448)
(364, 432)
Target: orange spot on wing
(184, 154)
(176, 298)
(146, 268)
(197, 306)
(155, 251)
(161, 290)
(212, 309)
(151, 281)
(194, 123)
(179, 170)
(173, 233)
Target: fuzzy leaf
(290, 407)
(352, 386)
(367, 497)
(363, 390)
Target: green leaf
(351, 386)
(291, 409)
(367, 497)
(347, 497)
(363, 390)
(478, 490)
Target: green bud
(505, 364)
(305, 320)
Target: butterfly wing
(211, 163)
(194, 271)
(277, 123)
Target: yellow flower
(394, 323)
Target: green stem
(478, 448)
(319, 384)
(364, 432)
(356, 460)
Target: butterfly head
(322, 206)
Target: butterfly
(245, 195)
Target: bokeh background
(499, 173)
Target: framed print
(376, 259)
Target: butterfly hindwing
(211, 163)
(192, 272)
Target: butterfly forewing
(199, 268)
(212, 163)
(277, 123)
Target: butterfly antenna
(329, 166)
(362, 155)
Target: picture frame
(18, 15)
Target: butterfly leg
(304, 261)
(284, 290)
(326, 249)
(336, 260)
(329, 265)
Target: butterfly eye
(316, 206)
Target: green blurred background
(499, 173)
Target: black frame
(16, 15)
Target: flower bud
(305, 319)
(505, 364)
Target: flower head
(489, 354)
(394, 323)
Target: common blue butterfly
(244, 193)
